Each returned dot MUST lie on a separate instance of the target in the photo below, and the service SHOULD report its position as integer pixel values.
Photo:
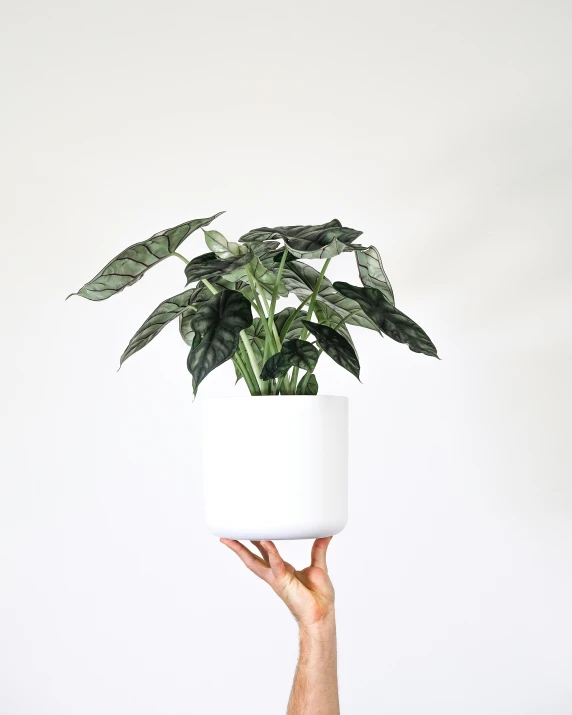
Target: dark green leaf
(185, 326)
(275, 366)
(296, 327)
(209, 266)
(330, 317)
(260, 235)
(300, 353)
(336, 346)
(308, 385)
(372, 273)
(301, 278)
(217, 325)
(388, 318)
(256, 336)
(165, 312)
(322, 241)
(130, 265)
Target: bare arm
(309, 595)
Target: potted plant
(284, 474)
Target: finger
(262, 550)
(319, 549)
(250, 560)
(275, 560)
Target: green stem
(305, 331)
(180, 256)
(293, 317)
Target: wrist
(319, 629)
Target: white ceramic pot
(275, 467)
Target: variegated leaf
(336, 346)
(162, 315)
(300, 279)
(209, 266)
(132, 263)
(388, 318)
(372, 273)
(217, 325)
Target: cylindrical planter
(275, 467)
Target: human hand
(309, 594)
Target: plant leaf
(256, 335)
(261, 235)
(164, 313)
(275, 366)
(388, 318)
(308, 385)
(300, 278)
(330, 317)
(209, 266)
(336, 346)
(322, 241)
(185, 326)
(300, 353)
(217, 324)
(372, 273)
(296, 327)
(132, 263)
(221, 247)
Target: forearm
(315, 688)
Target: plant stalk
(304, 335)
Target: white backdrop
(442, 130)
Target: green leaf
(266, 278)
(209, 266)
(336, 346)
(330, 317)
(221, 247)
(389, 319)
(260, 235)
(186, 327)
(256, 336)
(275, 366)
(308, 385)
(132, 263)
(296, 327)
(300, 278)
(164, 313)
(300, 353)
(372, 273)
(322, 241)
(217, 325)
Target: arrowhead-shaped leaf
(275, 366)
(308, 385)
(221, 247)
(256, 336)
(217, 324)
(165, 312)
(185, 326)
(388, 318)
(301, 278)
(295, 328)
(336, 346)
(132, 263)
(300, 353)
(209, 266)
(372, 273)
(322, 241)
(330, 317)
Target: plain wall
(440, 129)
